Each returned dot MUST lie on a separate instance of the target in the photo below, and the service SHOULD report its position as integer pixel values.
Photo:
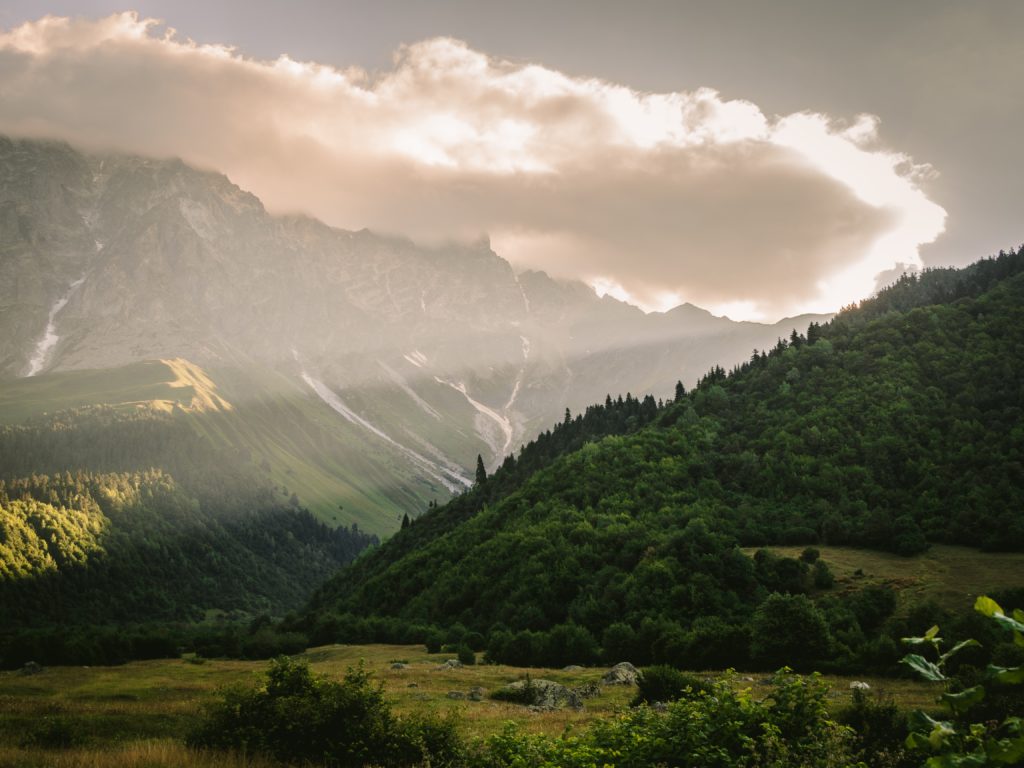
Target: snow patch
(448, 478)
(50, 338)
(503, 423)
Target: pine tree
(481, 471)
(680, 391)
(405, 521)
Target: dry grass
(151, 754)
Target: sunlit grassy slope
(128, 387)
(149, 706)
(951, 576)
(336, 469)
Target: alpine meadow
(482, 385)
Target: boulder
(457, 695)
(30, 668)
(546, 695)
(399, 665)
(859, 685)
(450, 664)
(586, 690)
(622, 673)
(476, 693)
(572, 668)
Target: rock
(450, 664)
(547, 695)
(572, 668)
(30, 668)
(859, 685)
(399, 665)
(746, 679)
(457, 695)
(659, 706)
(476, 693)
(622, 673)
(587, 690)
(413, 685)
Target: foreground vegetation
(294, 715)
(143, 711)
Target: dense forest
(895, 425)
(113, 518)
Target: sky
(758, 159)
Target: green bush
(663, 683)
(880, 728)
(55, 732)
(466, 655)
(715, 728)
(296, 716)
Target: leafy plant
(957, 741)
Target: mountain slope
(411, 359)
(897, 423)
(133, 515)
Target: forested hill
(898, 423)
(134, 516)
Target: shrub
(715, 728)
(466, 655)
(55, 732)
(296, 716)
(880, 728)
(823, 578)
(810, 555)
(663, 683)
(434, 641)
(788, 630)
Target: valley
(497, 385)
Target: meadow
(138, 714)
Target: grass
(951, 576)
(127, 387)
(139, 713)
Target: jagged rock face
(109, 259)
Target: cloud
(659, 197)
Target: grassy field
(951, 576)
(138, 714)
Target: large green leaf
(1006, 751)
(1012, 675)
(957, 648)
(987, 606)
(923, 667)
(961, 702)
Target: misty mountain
(415, 358)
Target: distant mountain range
(364, 373)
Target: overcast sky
(757, 158)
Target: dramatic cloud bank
(658, 197)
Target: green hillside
(291, 437)
(895, 425)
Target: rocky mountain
(406, 358)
